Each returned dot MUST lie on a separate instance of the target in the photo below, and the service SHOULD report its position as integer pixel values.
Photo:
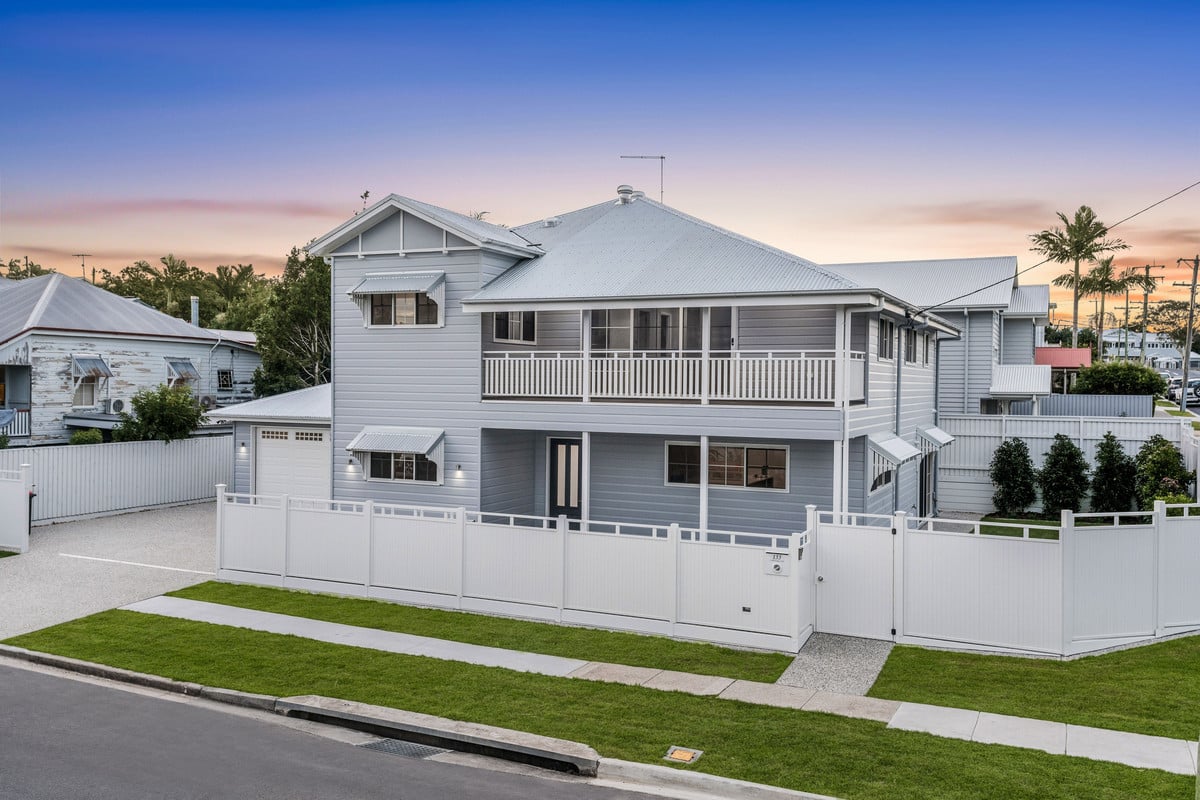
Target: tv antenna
(662, 162)
(83, 265)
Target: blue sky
(227, 132)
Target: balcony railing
(19, 427)
(738, 376)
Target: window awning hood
(183, 368)
(892, 448)
(394, 439)
(935, 436)
(398, 283)
(89, 367)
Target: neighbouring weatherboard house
(624, 362)
(72, 355)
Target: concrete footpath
(1132, 749)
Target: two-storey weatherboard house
(624, 362)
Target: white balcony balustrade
(738, 376)
(19, 427)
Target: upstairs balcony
(682, 376)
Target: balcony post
(703, 488)
(585, 378)
(705, 346)
(841, 361)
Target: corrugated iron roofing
(956, 282)
(646, 249)
(1063, 357)
(1029, 301)
(314, 403)
(394, 439)
(1019, 380)
(475, 228)
(56, 302)
(408, 282)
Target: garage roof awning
(89, 367)
(892, 448)
(400, 283)
(935, 436)
(183, 369)
(1019, 380)
(392, 439)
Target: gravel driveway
(78, 568)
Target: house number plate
(776, 564)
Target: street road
(66, 738)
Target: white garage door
(292, 461)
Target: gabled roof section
(58, 303)
(1029, 301)
(314, 404)
(484, 234)
(643, 249)
(956, 282)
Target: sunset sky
(227, 133)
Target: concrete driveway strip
(370, 638)
(79, 568)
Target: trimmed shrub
(1175, 498)
(87, 436)
(1160, 471)
(1114, 484)
(1063, 478)
(164, 413)
(1014, 477)
(1119, 377)
(3, 440)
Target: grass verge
(846, 758)
(7, 553)
(534, 637)
(1153, 689)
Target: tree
(1062, 336)
(1119, 377)
(1063, 478)
(1114, 483)
(1170, 317)
(164, 413)
(1078, 240)
(1161, 471)
(1014, 477)
(167, 288)
(19, 269)
(230, 282)
(1103, 280)
(293, 331)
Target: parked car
(1193, 391)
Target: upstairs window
(887, 339)
(515, 326)
(407, 308)
(910, 346)
(401, 299)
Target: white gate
(14, 509)
(854, 575)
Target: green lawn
(535, 637)
(1046, 529)
(7, 553)
(1153, 689)
(816, 752)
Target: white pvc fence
(1106, 580)
(963, 482)
(718, 586)
(73, 481)
(14, 509)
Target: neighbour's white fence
(963, 482)
(87, 480)
(14, 509)
(718, 586)
(1094, 582)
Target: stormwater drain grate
(402, 748)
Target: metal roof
(1019, 380)
(398, 283)
(1029, 301)
(461, 224)
(935, 435)
(247, 338)
(314, 404)
(1063, 357)
(56, 302)
(89, 367)
(393, 439)
(183, 368)
(892, 447)
(939, 281)
(646, 249)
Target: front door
(564, 490)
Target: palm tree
(230, 281)
(1078, 240)
(1104, 280)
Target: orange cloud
(96, 210)
(1025, 215)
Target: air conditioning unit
(208, 402)
(113, 405)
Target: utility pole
(1146, 306)
(1187, 355)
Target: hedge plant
(1114, 484)
(1063, 478)
(1014, 477)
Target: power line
(1047, 260)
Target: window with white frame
(403, 467)
(88, 374)
(881, 471)
(730, 465)
(887, 338)
(910, 346)
(925, 339)
(404, 309)
(515, 326)
(85, 392)
(612, 329)
(181, 372)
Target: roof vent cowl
(624, 194)
(551, 222)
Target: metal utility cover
(683, 755)
(399, 747)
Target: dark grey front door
(564, 490)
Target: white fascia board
(267, 420)
(807, 299)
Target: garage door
(291, 461)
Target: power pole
(1146, 306)
(1187, 355)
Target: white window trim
(787, 461)
(174, 378)
(365, 458)
(891, 339)
(525, 342)
(438, 295)
(78, 383)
